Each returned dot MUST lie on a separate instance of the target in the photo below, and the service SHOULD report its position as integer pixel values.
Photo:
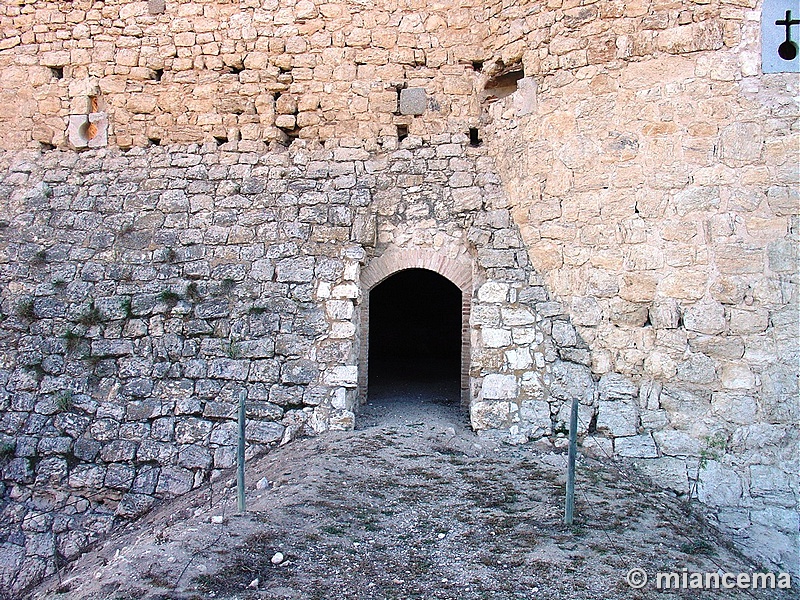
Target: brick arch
(458, 271)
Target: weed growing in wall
(193, 293)
(25, 309)
(72, 340)
(64, 401)
(169, 298)
(91, 316)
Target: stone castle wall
(655, 184)
(143, 291)
(630, 221)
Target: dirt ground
(410, 505)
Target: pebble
(441, 536)
(217, 519)
(254, 583)
(277, 558)
(262, 484)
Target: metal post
(240, 456)
(569, 508)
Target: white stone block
(499, 387)
(495, 338)
(637, 446)
(718, 485)
(492, 291)
(519, 358)
(618, 418)
(346, 376)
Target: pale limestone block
(490, 415)
(741, 143)
(585, 414)
(637, 446)
(613, 386)
(413, 101)
(519, 358)
(707, 316)
(517, 316)
(772, 485)
(718, 485)
(525, 96)
(345, 376)
(737, 376)
(677, 443)
(341, 420)
(499, 387)
(705, 35)
(660, 365)
(493, 337)
(666, 471)
(618, 418)
(654, 419)
(534, 418)
(571, 379)
(598, 447)
(697, 368)
(492, 291)
(586, 311)
(664, 313)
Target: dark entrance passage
(415, 339)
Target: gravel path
(410, 505)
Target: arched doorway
(415, 338)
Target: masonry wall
(144, 291)
(630, 222)
(655, 182)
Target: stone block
(493, 291)
(499, 387)
(228, 368)
(194, 457)
(772, 485)
(490, 415)
(564, 334)
(697, 368)
(534, 416)
(586, 311)
(132, 506)
(705, 35)
(156, 7)
(192, 430)
(677, 443)
(664, 313)
(118, 450)
(617, 418)
(413, 101)
(571, 379)
(585, 414)
(346, 376)
(613, 386)
(707, 316)
(119, 476)
(260, 432)
(525, 96)
(718, 485)
(637, 446)
(666, 471)
(174, 481)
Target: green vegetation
(25, 309)
(91, 316)
(64, 401)
(169, 298)
(72, 340)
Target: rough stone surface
(608, 241)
